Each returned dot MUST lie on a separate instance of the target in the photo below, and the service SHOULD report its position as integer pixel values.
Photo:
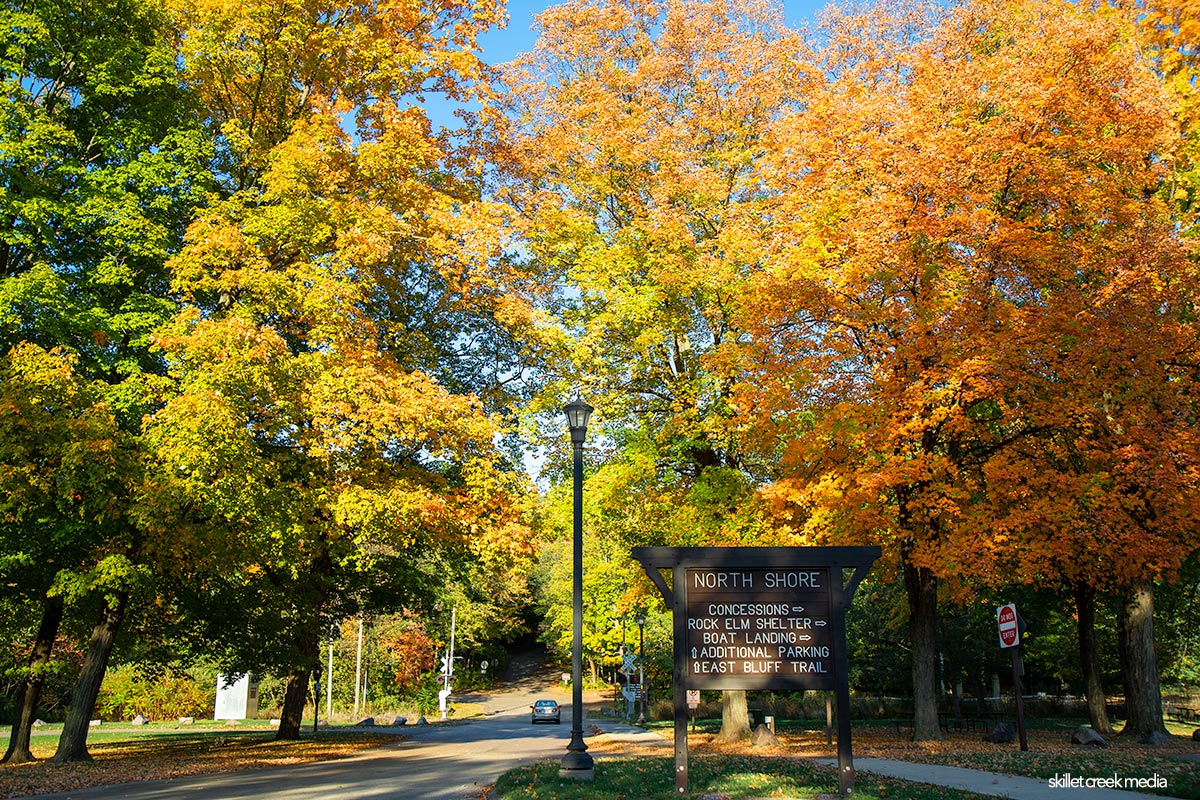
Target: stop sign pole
(1010, 627)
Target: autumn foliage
(973, 317)
(921, 276)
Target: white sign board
(238, 700)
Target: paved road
(438, 762)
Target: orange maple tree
(966, 234)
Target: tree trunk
(31, 686)
(921, 586)
(72, 743)
(1143, 697)
(1089, 658)
(294, 695)
(308, 645)
(735, 717)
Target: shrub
(169, 694)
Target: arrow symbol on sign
(693, 652)
(798, 609)
(821, 623)
(806, 638)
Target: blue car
(545, 711)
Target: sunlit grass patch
(733, 777)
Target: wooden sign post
(760, 618)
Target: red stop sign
(1006, 621)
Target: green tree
(102, 165)
(61, 489)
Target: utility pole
(358, 665)
(453, 622)
(329, 681)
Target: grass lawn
(777, 772)
(1050, 755)
(710, 776)
(624, 770)
(166, 750)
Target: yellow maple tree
(326, 427)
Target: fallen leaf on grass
(173, 757)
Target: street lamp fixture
(577, 763)
(578, 414)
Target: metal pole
(642, 667)
(577, 763)
(358, 666)
(628, 690)
(329, 683)
(453, 625)
(1018, 690)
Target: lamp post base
(577, 765)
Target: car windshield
(546, 703)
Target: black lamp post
(577, 763)
(641, 623)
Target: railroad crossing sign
(1006, 621)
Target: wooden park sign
(759, 618)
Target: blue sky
(502, 45)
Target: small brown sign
(759, 618)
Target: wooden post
(828, 718)
(841, 679)
(679, 618)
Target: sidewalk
(618, 731)
(980, 782)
